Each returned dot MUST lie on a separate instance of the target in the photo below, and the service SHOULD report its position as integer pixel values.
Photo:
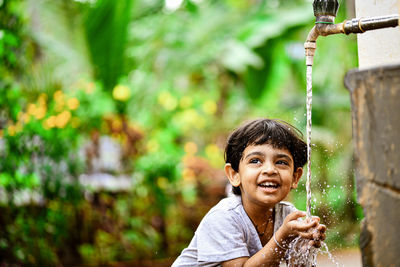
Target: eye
(255, 161)
(282, 162)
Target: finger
(317, 236)
(321, 228)
(307, 235)
(295, 215)
(316, 218)
(322, 237)
(316, 244)
(304, 226)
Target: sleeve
(287, 208)
(220, 237)
(283, 209)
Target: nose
(269, 168)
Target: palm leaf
(106, 27)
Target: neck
(258, 214)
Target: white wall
(378, 47)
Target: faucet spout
(320, 29)
(325, 26)
(325, 12)
(310, 45)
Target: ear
(296, 177)
(233, 176)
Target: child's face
(266, 175)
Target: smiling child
(254, 227)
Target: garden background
(114, 116)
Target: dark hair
(277, 133)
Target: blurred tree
(167, 83)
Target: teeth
(269, 184)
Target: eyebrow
(280, 155)
(254, 154)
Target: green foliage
(167, 86)
(159, 171)
(106, 26)
(8, 42)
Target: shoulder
(223, 219)
(222, 234)
(228, 203)
(228, 209)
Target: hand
(308, 229)
(318, 234)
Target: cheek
(289, 179)
(248, 176)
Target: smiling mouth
(269, 185)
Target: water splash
(301, 253)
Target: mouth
(271, 185)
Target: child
(264, 161)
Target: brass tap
(325, 12)
(323, 29)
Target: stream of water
(309, 123)
(300, 252)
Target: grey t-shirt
(225, 233)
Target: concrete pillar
(380, 47)
(375, 97)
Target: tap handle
(325, 7)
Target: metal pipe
(367, 24)
(325, 26)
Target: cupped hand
(311, 229)
(318, 234)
